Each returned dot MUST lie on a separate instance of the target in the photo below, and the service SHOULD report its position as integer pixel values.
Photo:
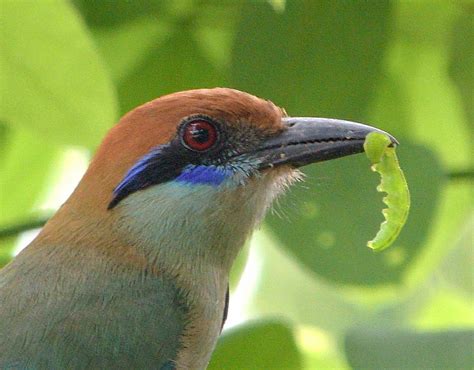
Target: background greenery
(319, 298)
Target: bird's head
(200, 167)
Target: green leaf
(257, 345)
(319, 349)
(125, 47)
(4, 137)
(388, 111)
(315, 360)
(462, 61)
(330, 218)
(405, 349)
(285, 289)
(456, 267)
(315, 58)
(175, 65)
(53, 80)
(187, 46)
(24, 173)
(418, 66)
(446, 309)
(112, 13)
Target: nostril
(290, 123)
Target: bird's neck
(193, 227)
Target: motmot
(132, 271)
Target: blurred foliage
(372, 349)
(257, 345)
(54, 67)
(68, 69)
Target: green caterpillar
(392, 182)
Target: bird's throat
(192, 225)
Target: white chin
(282, 178)
(272, 184)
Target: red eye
(199, 135)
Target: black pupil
(201, 135)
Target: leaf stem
(461, 175)
(13, 230)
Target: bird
(132, 271)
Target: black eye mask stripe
(161, 164)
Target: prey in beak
(309, 140)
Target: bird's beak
(309, 140)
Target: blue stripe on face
(162, 164)
(204, 175)
(133, 178)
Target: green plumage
(118, 321)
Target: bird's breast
(206, 302)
